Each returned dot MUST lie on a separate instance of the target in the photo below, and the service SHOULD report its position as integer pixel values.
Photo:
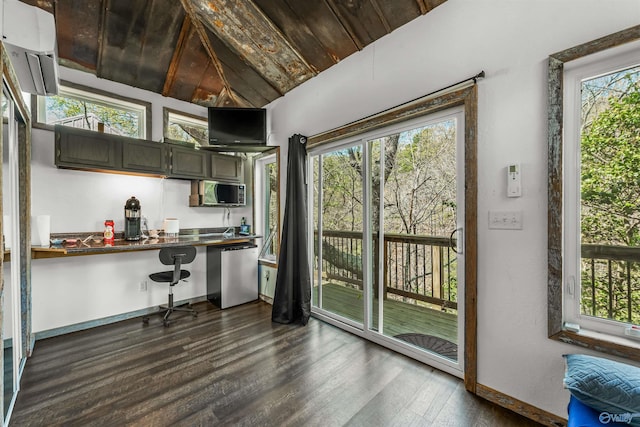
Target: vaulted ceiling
(242, 53)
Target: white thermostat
(514, 182)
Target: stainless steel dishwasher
(232, 275)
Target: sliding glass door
(338, 233)
(12, 297)
(388, 259)
(417, 187)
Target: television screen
(237, 126)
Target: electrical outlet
(505, 220)
(143, 286)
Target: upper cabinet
(144, 156)
(79, 148)
(89, 150)
(225, 168)
(188, 163)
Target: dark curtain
(292, 299)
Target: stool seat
(167, 276)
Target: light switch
(505, 220)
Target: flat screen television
(237, 126)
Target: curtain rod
(474, 78)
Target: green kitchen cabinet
(225, 168)
(143, 156)
(187, 163)
(84, 149)
(101, 152)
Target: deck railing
(424, 268)
(416, 267)
(611, 282)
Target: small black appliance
(132, 217)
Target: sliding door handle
(457, 246)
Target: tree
(418, 171)
(66, 109)
(610, 194)
(422, 190)
(611, 173)
(182, 131)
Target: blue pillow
(604, 385)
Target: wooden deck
(399, 317)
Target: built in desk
(213, 241)
(91, 246)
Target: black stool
(176, 256)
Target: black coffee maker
(132, 217)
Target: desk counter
(91, 247)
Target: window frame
(575, 74)
(261, 160)
(100, 95)
(556, 290)
(167, 112)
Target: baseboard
(107, 320)
(266, 299)
(519, 407)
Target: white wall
(510, 40)
(67, 291)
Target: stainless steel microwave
(216, 193)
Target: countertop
(73, 243)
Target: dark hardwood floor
(236, 367)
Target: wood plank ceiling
(243, 53)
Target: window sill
(43, 126)
(270, 262)
(616, 346)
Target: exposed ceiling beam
(228, 92)
(423, 6)
(345, 24)
(383, 19)
(253, 37)
(101, 35)
(177, 54)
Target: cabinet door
(79, 148)
(226, 168)
(144, 156)
(188, 163)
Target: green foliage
(81, 113)
(610, 193)
(187, 132)
(611, 173)
(271, 200)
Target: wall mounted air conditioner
(29, 37)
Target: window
(267, 204)
(88, 109)
(185, 128)
(594, 217)
(606, 218)
(5, 107)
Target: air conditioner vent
(30, 40)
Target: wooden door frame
(24, 195)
